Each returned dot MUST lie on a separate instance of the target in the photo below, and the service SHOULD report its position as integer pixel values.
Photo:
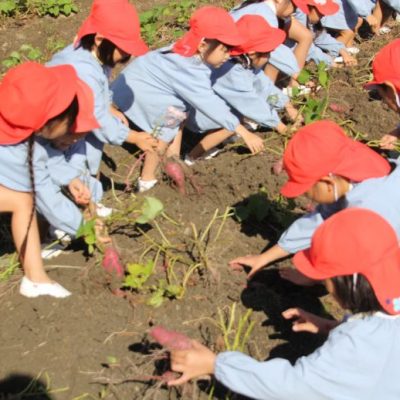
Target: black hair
(213, 44)
(358, 297)
(245, 61)
(70, 113)
(105, 50)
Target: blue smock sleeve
(237, 88)
(395, 4)
(196, 90)
(318, 56)
(328, 43)
(363, 8)
(284, 59)
(112, 130)
(59, 211)
(357, 361)
(298, 236)
(267, 90)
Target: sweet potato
(277, 167)
(171, 340)
(338, 108)
(175, 172)
(111, 262)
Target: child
(45, 102)
(108, 37)
(336, 172)
(356, 252)
(346, 22)
(157, 90)
(63, 187)
(324, 48)
(386, 80)
(274, 12)
(244, 87)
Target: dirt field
(94, 345)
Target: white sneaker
(338, 60)
(58, 234)
(32, 289)
(250, 125)
(208, 155)
(103, 211)
(189, 161)
(143, 186)
(353, 50)
(384, 30)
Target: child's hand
(255, 262)
(348, 60)
(308, 322)
(389, 140)
(145, 141)
(294, 114)
(253, 142)
(119, 115)
(192, 363)
(79, 191)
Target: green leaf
(304, 76)
(138, 274)
(174, 291)
(151, 208)
(156, 299)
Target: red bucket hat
(385, 67)
(117, 21)
(31, 94)
(325, 7)
(356, 241)
(208, 23)
(321, 148)
(258, 34)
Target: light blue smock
(324, 46)
(395, 4)
(282, 57)
(51, 171)
(160, 81)
(111, 130)
(249, 93)
(347, 16)
(381, 195)
(358, 361)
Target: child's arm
(303, 36)
(348, 60)
(389, 140)
(297, 237)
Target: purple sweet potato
(175, 172)
(338, 108)
(277, 167)
(111, 262)
(171, 340)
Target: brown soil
(93, 345)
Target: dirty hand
(192, 363)
(308, 322)
(388, 141)
(119, 115)
(79, 191)
(252, 261)
(294, 114)
(145, 141)
(253, 142)
(348, 60)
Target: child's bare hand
(145, 141)
(79, 191)
(388, 141)
(255, 262)
(348, 60)
(192, 363)
(308, 322)
(254, 143)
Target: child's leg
(378, 14)
(20, 205)
(211, 140)
(300, 34)
(152, 160)
(346, 37)
(174, 149)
